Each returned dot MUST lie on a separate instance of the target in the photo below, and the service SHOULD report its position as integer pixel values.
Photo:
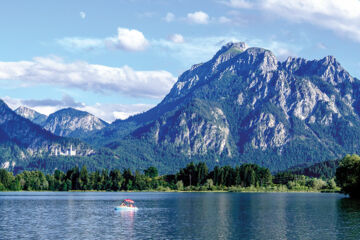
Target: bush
(180, 185)
(316, 184)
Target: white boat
(127, 205)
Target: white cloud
(111, 112)
(176, 38)
(82, 15)
(194, 50)
(338, 16)
(280, 50)
(223, 19)
(88, 77)
(76, 43)
(66, 101)
(199, 17)
(321, 45)
(169, 17)
(341, 17)
(197, 50)
(129, 40)
(238, 3)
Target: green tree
(2, 187)
(201, 172)
(331, 184)
(16, 185)
(151, 172)
(128, 180)
(116, 180)
(74, 176)
(348, 175)
(5, 178)
(139, 181)
(84, 179)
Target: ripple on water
(179, 216)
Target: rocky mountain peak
(73, 123)
(70, 112)
(232, 47)
(329, 60)
(31, 114)
(231, 57)
(258, 59)
(327, 68)
(227, 52)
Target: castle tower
(72, 152)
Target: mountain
(22, 140)
(244, 105)
(70, 122)
(32, 115)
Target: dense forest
(325, 169)
(194, 177)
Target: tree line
(193, 177)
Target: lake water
(48, 215)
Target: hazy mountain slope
(32, 115)
(70, 122)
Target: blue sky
(117, 58)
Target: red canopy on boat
(128, 200)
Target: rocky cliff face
(73, 123)
(32, 115)
(195, 129)
(247, 105)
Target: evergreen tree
(84, 179)
(151, 172)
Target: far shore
(194, 191)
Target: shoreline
(176, 191)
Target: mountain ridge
(31, 114)
(260, 108)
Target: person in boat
(123, 204)
(131, 205)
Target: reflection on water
(348, 218)
(179, 216)
(350, 206)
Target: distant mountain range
(243, 105)
(22, 140)
(68, 122)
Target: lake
(63, 215)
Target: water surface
(48, 215)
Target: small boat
(126, 205)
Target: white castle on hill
(68, 152)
